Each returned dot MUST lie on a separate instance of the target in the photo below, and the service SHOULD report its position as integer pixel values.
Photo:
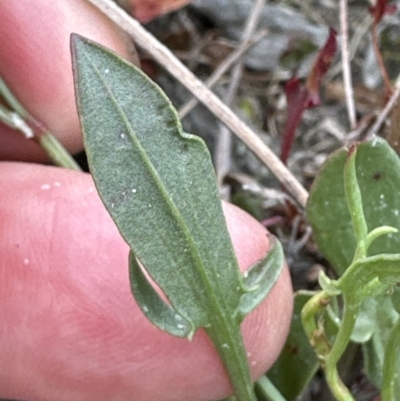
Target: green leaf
(261, 277)
(378, 175)
(385, 319)
(297, 363)
(328, 285)
(158, 185)
(366, 321)
(378, 318)
(152, 305)
(370, 276)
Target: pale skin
(70, 329)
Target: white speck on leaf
(106, 71)
(134, 190)
(122, 136)
(145, 308)
(226, 346)
(45, 186)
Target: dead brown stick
(222, 69)
(348, 85)
(385, 112)
(168, 61)
(223, 146)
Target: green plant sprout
(367, 276)
(158, 185)
(15, 116)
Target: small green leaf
(370, 276)
(378, 175)
(374, 276)
(385, 319)
(152, 305)
(260, 278)
(366, 321)
(328, 285)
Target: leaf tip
(74, 41)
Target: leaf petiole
(390, 374)
(354, 203)
(19, 118)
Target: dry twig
(168, 61)
(348, 85)
(385, 112)
(223, 148)
(222, 69)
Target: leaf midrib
(176, 213)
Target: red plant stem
(379, 58)
(39, 129)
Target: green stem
(268, 390)
(378, 232)
(226, 336)
(390, 374)
(340, 391)
(11, 100)
(315, 335)
(329, 355)
(14, 121)
(354, 203)
(57, 153)
(32, 129)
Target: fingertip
(147, 10)
(70, 319)
(35, 63)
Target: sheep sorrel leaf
(159, 187)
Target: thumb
(70, 326)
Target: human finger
(70, 326)
(35, 62)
